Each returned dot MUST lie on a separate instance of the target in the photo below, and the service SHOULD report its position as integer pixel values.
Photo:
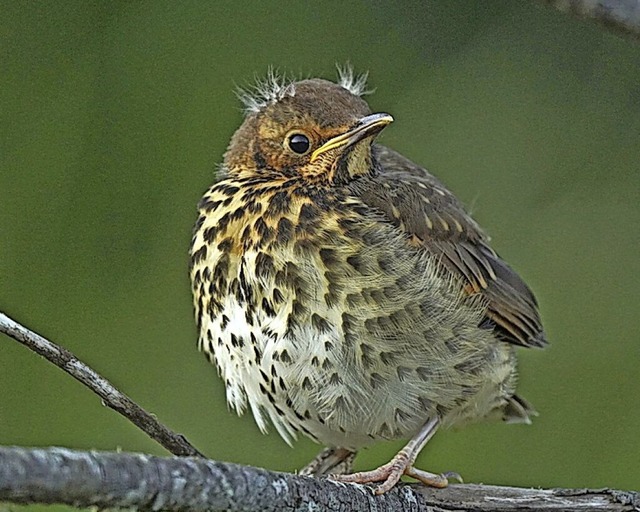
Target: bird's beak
(367, 127)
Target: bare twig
(123, 480)
(111, 397)
(620, 16)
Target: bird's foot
(389, 474)
(336, 461)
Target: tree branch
(122, 480)
(619, 16)
(111, 397)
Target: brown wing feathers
(422, 206)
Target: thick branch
(111, 397)
(121, 480)
(620, 16)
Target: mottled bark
(144, 482)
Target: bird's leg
(402, 464)
(330, 460)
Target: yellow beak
(367, 127)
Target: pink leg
(402, 464)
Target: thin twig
(621, 17)
(144, 482)
(111, 397)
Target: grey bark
(145, 482)
(111, 397)
(619, 16)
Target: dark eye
(298, 143)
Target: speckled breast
(323, 320)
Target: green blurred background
(114, 115)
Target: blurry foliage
(114, 115)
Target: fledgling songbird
(343, 292)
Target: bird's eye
(298, 143)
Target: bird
(344, 293)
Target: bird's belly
(311, 380)
(355, 355)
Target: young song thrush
(343, 292)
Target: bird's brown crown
(312, 129)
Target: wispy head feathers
(355, 84)
(276, 86)
(265, 91)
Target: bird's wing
(416, 202)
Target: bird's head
(312, 129)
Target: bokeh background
(114, 115)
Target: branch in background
(620, 16)
(124, 480)
(111, 397)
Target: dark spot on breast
(401, 415)
(335, 379)
(328, 346)
(224, 322)
(354, 300)
(284, 231)
(264, 265)
(226, 245)
(306, 384)
(309, 213)
(315, 361)
(238, 213)
(199, 223)
(388, 358)
(227, 190)
(285, 357)
(268, 308)
(265, 233)
(341, 403)
(257, 354)
(423, 373)
(223, 223)
(247, 237)
(403, 373)
(278, 204)
(326, 364)
(253, 207)
(391, 292)
(329, 257)
(356, 262)
(376, 380)
(320, 323)
(208, 205)
(297, 308)
(236, 341)
(199, 255)
(371, 325)
(384, 323)
(209, 234)
(399, 317)
(384, 430)
(277, 296)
